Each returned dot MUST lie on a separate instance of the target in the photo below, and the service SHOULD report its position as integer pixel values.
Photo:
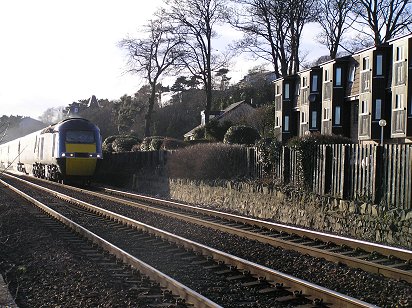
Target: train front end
(80, 146)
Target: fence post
(328, 169)
(347, 172)
(286, 165)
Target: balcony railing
(326, 127)
(399, 71)
(365, 125)
(304, 127)
(278, 103)
(327, 90)
(398, 121)
(304, 96)
(366, 81)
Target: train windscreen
(80, 136)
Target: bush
(153, 143)
(241, 134)
(208, 161)
(110, 144)
(123, 144)
(216, 131)
(173, 144)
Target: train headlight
(63, 154)
(98, 156)
(71, 154)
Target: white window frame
(351, 75)
(366, 63)
(399, 101)
(364, 107)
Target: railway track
(262, 283)
(389, 261)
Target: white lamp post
(382, 124)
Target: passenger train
(68, 150)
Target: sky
(53, 53)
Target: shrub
(156, 144)
(216, 131)
(109, 144)
(305, 148)
(199, 133)
(173, 144)
(208, 161)
(152, 143)
(241, 134)
(123, 144)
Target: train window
(80, 136)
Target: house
(310, 100)
(286, 109)
(363, 96)
(233, 113)
(400, 123)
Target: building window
(337, 115)
(313, 123)
(286, 126)
(364, 107)
(378, 109)
(315, 83)
(398, 101)
(338, 80)
(277, 89)
(351, 76)
(326, 76)
(277, 121)
(302, 120)
(304, 82)
(325, 113)
(399, 53)
(287, 95)
(379, 60)
(365, 63)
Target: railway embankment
(354, 219)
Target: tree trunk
(148, 118)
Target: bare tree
(385, 18)
(272, 30)
(151, 57)
(332, 17)
(196, 20)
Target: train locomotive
(64, 151)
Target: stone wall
(363, 221)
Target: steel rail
(310, 290)
(189, 295)
(313, 251)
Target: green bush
(216, 131)
(241, 134)
(110, 144)
(173, 144)
(208, 161)
(156, 144)
(123, 144)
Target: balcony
(399, 72)
(304, 127)
(364, 125)
(278, 103)
(398, 121)
(366, 81)
(304, 96)
(327, 90)
(327, 127)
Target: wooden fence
(370, 173)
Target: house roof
(221, 114)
